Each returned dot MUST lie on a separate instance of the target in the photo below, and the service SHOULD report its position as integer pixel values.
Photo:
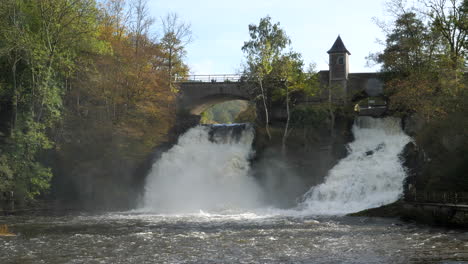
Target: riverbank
(440, 215)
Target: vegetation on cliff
(227, 113)
(278, 71)
(85, 94)
(424, 64)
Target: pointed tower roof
(338, 47)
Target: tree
(176, 36)
(449, 18)
(118, 110)
(424, 57)
(140, 22)
(114, 18)
(409, 46)
(409, 63)
(41, 45)
(266, 44)
(288, 69)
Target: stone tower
(338, 68)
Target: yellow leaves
(430, 95)
(4, 232)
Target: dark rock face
(183, 124)
(413, 156)
(309, 155)
(227, 133)
(412, 124)
(374, 112)
(413, 160)
(434, 215)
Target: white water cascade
(208, 169)
(370, 176)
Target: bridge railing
(438, 197)
(210, 78)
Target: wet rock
(414, 160)
(378, 148)
(413, 124)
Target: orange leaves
(128, 95)
(420, 93)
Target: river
(223, 238)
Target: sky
(220, 28)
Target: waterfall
(208, 169)
(370, 176)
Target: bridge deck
(209, 78)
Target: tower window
(341, 60)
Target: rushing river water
(237, 238)
(209, 171)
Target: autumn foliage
(86, 94)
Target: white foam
(199, 174)
(370, 176)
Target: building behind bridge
(346, 84)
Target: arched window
(340, 60)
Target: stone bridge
(199, 92)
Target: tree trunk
(14, 112)
(267, 118)
(331, 113)
(286, 128)
(170, 70)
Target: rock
(412, 124)
(414, 161)
(311, 222)
(452, 142)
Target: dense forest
(85, 92)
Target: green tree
(424, 62)
(41, 43)
(409, 63)
(266, 44)
(449, 18)
(288, 69)
(409, 46)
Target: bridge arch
(201, 105)
(195, 96)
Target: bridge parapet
(210, 78)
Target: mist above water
(371, 175)
(208, 169)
